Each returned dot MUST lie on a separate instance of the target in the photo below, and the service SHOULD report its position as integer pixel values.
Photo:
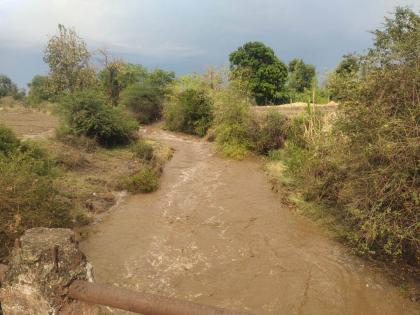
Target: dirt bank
(90, 175)
(215, 233)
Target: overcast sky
(189, 35)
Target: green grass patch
(28, 192)
(145, 180)
(142, 150)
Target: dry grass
(295, 109)
(92, 179)
(27, 123)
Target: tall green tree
(301, 75)
(343, 82)
(144, 101)
(118, 75)
(349, 64)
(7, 86)
(265, 74)
(161, 79)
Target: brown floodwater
(215, 233)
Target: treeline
(270, 81)
(104, 102)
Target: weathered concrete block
(42, 265)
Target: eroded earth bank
(215, 233)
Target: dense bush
(144, 101)
(28, 197)
(145, 180)
(8, 141)
(270, 132)
(39, 90)
(238, 130)
(117, 75)
(7, 86)
(232, 122)
(344, 81)
(189, 111)
(87, 114)
(366, 168)
(317, 96)
(142, 150)
(160, 79)
(301, 75)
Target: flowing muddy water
(215, 233)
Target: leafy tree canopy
(39, 89)
(161, 79)
(7, 86)
(343, 81)
(301, 75)
(118, 75)
(69, 61)
(144, 101)
(266, 75)
(349, 64)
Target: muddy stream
(215, 233)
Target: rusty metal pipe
(143, 303)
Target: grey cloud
(187, 35)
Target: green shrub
(9, 88)
(145, 102)
(8, 141)
(365, 170)
(39, 90)
(275, 155)
(270, 132)
(294, 158)
(143, 150)
(189, 111)
(307, 96)
(307, 126)
(64, 134)
(145, 180)
(28, 196)
(234, 150)
(232, 123)
(87, 114)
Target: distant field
(294, 109)
(28, 123)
